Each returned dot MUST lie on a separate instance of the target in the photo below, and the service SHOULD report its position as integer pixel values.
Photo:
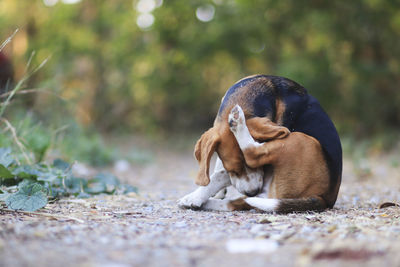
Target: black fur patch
(303, 113)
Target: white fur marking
(216, 204)
(254, 181)
(265, 204)
(218, 180)
(239, 128)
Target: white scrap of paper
(251, 245)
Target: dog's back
(287, 103)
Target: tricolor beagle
(275, 144)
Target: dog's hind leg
(219, 180)
(221, 194)
(257, 154)
(226, 204)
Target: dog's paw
(236, 118)
(191, 201)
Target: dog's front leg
(218, 180)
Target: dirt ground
(148, 229)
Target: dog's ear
(203, 151)
(263, 129)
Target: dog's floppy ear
(263, 129)
(203, 151)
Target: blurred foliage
(172, 72)
(28, 187)
(40, 141)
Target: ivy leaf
(102, 183)
(5, 173)
(5, 157)
(26, 172)
(29, 197)
(74, 184)
(4, 196)
(107, 179)
(5, 161)
(83, 195)
(95, 187)
(60, 164)
(25, 183)
(127, 188)
(48, 177)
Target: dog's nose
(252, 193)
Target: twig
(8, 39)
(29, 61)
(14, 134)
(19, 85)
(29, 91)
(54, 216)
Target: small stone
(251, 246)
(256, 228)
(121, 165)
(264, 220)
(332, 228)
(180, 224)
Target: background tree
(154, 65)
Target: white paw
(236, 119)
(191, 201)
(237, 124)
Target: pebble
(180, 224)
(152, 231)
(121, 165)
(251, 246)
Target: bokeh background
(157, 68)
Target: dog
(275, 145)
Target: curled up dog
(275, 145)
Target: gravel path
(150, 230)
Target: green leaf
(83, 195)
(107, 178)
(51, 175)
(102, 183)
(95, 187)
(75, 184)
(4, 196)
(5, 157)
(48, 177)
(26, 172)
(29, 197)
(5, 173)
(60, 164)
(127, 188)
(25, 183)
(5, 161)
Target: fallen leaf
(388, 204)
(347, 254)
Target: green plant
(84, 145)
(28, 187)
(26, 181)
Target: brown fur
(220, 139)
(239, 204)
(299, 166)
(300, 171)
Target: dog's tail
(314, 203)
